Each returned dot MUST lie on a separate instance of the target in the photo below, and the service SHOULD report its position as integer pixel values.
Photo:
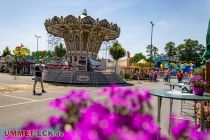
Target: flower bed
(123, 115)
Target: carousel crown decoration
(83, 36)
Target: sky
(174, 20)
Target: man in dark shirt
(38, 78)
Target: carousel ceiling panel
(58, 25)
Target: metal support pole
(202, 116)
(170, 123)
(106, 54)
(37, 41)
(151, 45)
(158, 116)
(37, 44)
(16, 73)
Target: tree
(117, 52)
(199, 50)
(148, 50)
(191, 50)
(180, 49)
(137, 57)
(154, 50)
(6, 52)
(170, 49)
(42, 53)
(60, 51)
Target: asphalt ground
(18, 105)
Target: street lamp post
(107, 47)
(37, 41)
(151, 44)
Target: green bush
(127, 76)
(198, 71)
(21, 72)
(122, 74)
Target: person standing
(139, 76)
(151, 75)
(38, 78)
(180, 77)
(169, 75)
(155, 76)
(165, 76)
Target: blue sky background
(175, 20)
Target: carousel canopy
(83, 35)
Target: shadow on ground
(87, 85)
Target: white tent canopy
(142, 61)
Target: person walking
(180, 77)
(38, 78)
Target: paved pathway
(19, 105)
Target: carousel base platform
(82, 77)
